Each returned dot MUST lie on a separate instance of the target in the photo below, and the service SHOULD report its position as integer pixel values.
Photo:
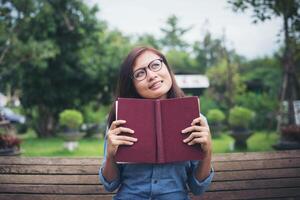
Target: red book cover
(158, 125)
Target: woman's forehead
(144, 59)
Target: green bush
(71, 119)
(240, 117)
(215, 116)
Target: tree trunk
(229, 83)
(45, 126)
(289, 86)
(289, 93)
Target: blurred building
(193, 84)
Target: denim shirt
(156, 181)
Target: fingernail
(184, 140)
(183, 131)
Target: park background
(59, 61)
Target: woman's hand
(114, 139)
(200, 134)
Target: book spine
(159, 134)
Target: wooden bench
(267, 175)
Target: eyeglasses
(141, 73)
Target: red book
(157, 125)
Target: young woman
(145, 73)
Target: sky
(136, 17)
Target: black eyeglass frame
(145, 70)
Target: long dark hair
(125, 87)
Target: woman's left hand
(200, 134)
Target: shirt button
(155, 181)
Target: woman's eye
(140, 74)
(155, 66)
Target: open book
(158, 125)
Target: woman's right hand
(114, 139)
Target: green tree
(148, 40)
(262, 77)
(16, 47)
(172, 35)
(52, 51)
(181, 62)
(115, 47)
(208, 52)
(219, 89)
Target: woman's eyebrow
(145, 65)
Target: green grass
(33, 146)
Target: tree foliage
(220, 76)
(172, 34)
(182, 62)
(148, 40)
(208, 52)
(55, 52)
(262, 75)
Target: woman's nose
(151, 75)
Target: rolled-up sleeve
(198, 187)
(109, 186)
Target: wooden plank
(257, 174)
(93, 169)
(16, 160)
(53, 197)
(228, 157)
(51, 169)
(279, 193)
(52, 189)
(99, 189)
(50, 179)
(93, 179)
(257, 164)
(254, 184)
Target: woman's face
(157, 83)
